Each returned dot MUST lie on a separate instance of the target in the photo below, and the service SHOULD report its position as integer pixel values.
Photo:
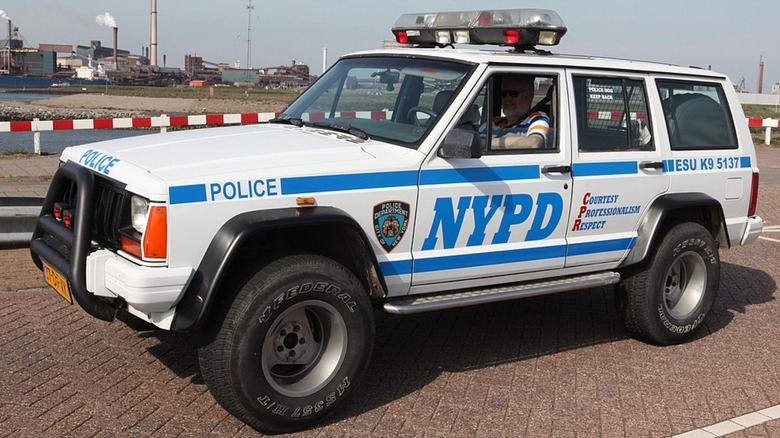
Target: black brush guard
(66, 250)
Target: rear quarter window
(697, 115)
(612, 115)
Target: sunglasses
(511, 93)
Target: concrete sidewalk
(26, 175)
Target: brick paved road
(560, 365)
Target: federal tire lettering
(667, 299)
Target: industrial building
(16, 59)
(29, 66)
(295, 75)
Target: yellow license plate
(57, 281)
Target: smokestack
(8, 51)
(761, 74)
(116, 45)
(153, 36)
(107, 20)
(324, 59)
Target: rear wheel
(666, 301)
(292, 345)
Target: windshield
(389, 98)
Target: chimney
(761, 74)
(153, 36)
(116, 48)
(7, 52)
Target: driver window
(521, 110)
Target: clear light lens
(417, 21)
(462, 37)
(139, 212)
(547, 38)
(443, 37)
(455, 19)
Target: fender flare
(199, 295)
(650, 226)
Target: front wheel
(666, 301)
(292, 345)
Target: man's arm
(518, 142)
(534, 139)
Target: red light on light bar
(485, 18)
(511, 36)
(402, 37)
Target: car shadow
(413, 351)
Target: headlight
(139, 213)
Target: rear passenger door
(617, 167)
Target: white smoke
(4, 15)
(106, 20)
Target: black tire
(292, 346)
(666, 300)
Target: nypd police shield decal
(391, 219)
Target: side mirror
(460, 143)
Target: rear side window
(697, 115)
(612, 114)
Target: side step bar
(470, 297)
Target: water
(53, 142)
(22, 97)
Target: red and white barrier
(769, 124)
(136, 122)
(763, 123)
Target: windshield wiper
(342, 127)
(287, 119)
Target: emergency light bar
(521, 28)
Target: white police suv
(383, 185)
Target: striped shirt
(537, 122)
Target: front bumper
(144, 289)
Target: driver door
(502, 214)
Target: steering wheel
(412, 115)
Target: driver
(518, 128)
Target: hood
(225, 150)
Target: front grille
(111, 213)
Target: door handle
(556, 169)
(651, 165)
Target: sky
(729, 37)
